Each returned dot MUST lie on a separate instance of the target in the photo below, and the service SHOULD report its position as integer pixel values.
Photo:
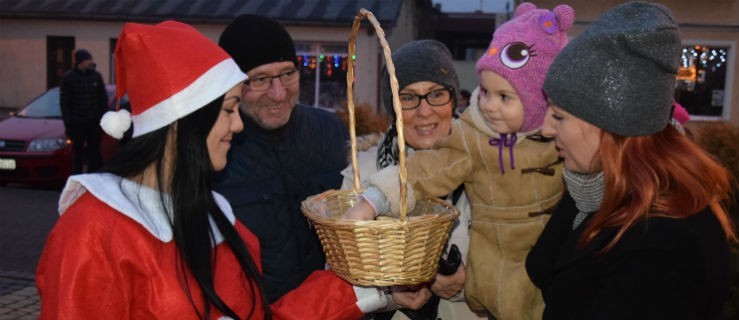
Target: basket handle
(396, 104)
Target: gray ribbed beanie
(619, 74)
(422, 60)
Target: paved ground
(18, 296)
(26, 217)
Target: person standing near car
(286, 153)
(83, 101)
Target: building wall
(467, 75)
(405, 29)
(412, 24)
(466, 71)
(712, 21)
(23, 52)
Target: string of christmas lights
(329, 64)
(708, 57)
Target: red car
(33, 148)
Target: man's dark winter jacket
(269, 174)
(82, 97)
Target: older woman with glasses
(428, 88)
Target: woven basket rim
(450, 215)
(380, 252)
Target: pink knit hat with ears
(169, 70)
(522, 50)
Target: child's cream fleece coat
(509, 210)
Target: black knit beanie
(254, 40)
(422, 60)
(619, 74)
(80, 56)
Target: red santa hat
(168, 70)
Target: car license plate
(7, 164)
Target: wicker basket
(386, 251)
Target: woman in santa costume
(147, 238)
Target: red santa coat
(111, 256)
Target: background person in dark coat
(640, 233)
(286, 153)
(83, 101)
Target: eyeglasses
(265, 82)
(438, 97)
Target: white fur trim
(387, 181)
(369, 299)
(209, 86)
(140, 203)
(116, 123)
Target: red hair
(664, 174)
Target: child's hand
(361, 211)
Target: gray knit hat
(422, 60)
(619, 74)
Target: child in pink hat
(512, 175)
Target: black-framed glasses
(262, 83)
(438, 97)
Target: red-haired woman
(641, 233)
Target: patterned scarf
(388, 153)
(587, 190)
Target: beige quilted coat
(509, 210)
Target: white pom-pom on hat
(116, 123)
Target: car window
(45, 106)
(113, 100)
(124, 103)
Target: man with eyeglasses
(286, 153)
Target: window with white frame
(704, 79)
(322, 74)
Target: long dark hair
(192, 202)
